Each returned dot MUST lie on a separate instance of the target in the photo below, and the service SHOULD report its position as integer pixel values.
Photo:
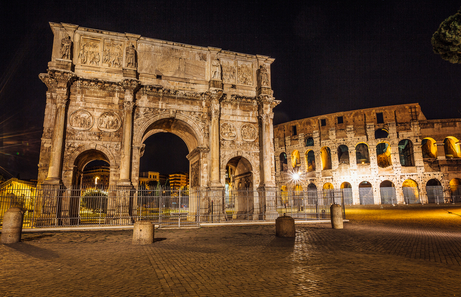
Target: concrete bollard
(143, 233)
(285, 227)
(12, 225)
(336, 216)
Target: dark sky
(330, 56)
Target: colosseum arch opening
(434, 191)
(361, 154)
(406, 153)
(343, 155)
(388, 193)
(452, 147)
(429, 148)
(383, 152)
(310, 161)
(366, 193)
(410, 192)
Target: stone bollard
(143, 233)
(336, 216)
(285, 227)
(12, 225)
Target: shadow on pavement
(34, 251)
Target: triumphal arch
(108, 92)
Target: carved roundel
(248, 132)
(81, 120)
(228, 131)
(109, 121)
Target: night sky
(330, 56)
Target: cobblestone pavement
(412, 251)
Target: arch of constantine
(108, 92)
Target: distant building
(146, 177)
(96, 176)
(178, 180)
(382, 155)
(17, 193)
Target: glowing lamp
(295, 176)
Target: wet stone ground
(402, 251)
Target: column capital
(128, 105)
(56, 79)
(130, 85)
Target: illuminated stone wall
(391, 146)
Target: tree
(95, 200)
(446, 41)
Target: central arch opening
(163, 171)
(163, 161)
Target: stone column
(267, 190)
(214, 140)
(130, 87)
(58, 83)
(57, 142)
(266, 146)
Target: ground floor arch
(88, 196)
(312, 194)
(410, 192)
(346, 191)
(455, 190)
(366, 193)
(434, 191)
(388, 193)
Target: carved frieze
(81, 120)
(112, 54)
(89, 51)
(93, 136)
(240, 145)
(245, 74)
(228, 72)
(248, 132)
(228, 131)
(109, 121)
(194, 173)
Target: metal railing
(57, 206)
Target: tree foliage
(95, 200)
(446, 41)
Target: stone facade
(372, 149)
(108, 92)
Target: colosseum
(382, 155)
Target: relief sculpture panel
(113, 54)
(109, 121)
(89, 51)
(228, 70)
(171, 61)
(245, 74)
(228, 131)
(249, 132)
(81, 120)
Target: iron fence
(57, 206)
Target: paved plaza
(391, 251)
